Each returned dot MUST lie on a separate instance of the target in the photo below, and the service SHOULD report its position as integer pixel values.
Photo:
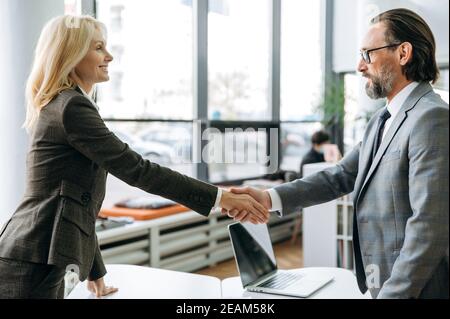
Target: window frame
(200, 79)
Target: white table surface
(343, 286)
(137, 282)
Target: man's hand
(246, 205)
(262, 197)
(98, 288)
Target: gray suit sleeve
(321, 187)
(88, 134)
(427, 230)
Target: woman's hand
(98, 288)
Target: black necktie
(384, 116)
(360, 272)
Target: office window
(301, 79)
(166, 143)
(295, 143)
(355, 119)
(151, 75)
(238, 59)
(301, 52)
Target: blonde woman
(53, 229)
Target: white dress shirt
(89, 96)
(396, 104)
(393, 107)
(218, 198)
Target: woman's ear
(406, 53)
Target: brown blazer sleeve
(87, 132)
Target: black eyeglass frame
(365, 54)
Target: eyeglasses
(366, 56)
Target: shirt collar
(397, 102)
(89, 96)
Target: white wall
(20, 25)
(352, 17)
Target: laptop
(257, 266)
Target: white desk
(343, 286)
(137, 282)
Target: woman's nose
(109, 57)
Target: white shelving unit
(327, 230)
(344, 237)
(182, 242)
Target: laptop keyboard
(281, 280)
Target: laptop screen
(253, 251)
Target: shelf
(327, 231)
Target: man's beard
(381, 85)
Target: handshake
(246, 205)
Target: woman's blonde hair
(63, 43)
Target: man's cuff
(276, 202)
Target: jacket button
(85, 197)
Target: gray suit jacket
(401, 200)
(71, 152)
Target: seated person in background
(321, 151)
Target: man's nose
(362, 65)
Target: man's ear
(406, 53)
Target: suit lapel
(398, 121)
(410, 102)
